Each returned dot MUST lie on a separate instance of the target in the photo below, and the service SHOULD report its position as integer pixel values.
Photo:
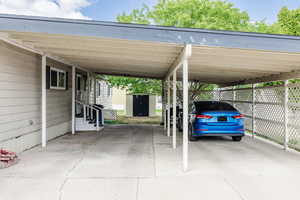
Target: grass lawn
(122, 119)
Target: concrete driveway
(138, 163)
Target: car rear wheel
(236, 138)
(191, 137)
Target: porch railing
(88, 115)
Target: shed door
(140, 105)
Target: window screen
(53, 78)
(62, 80)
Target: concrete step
(82, 125)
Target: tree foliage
(289, 21)
(218, 15)
(206, 14)
(136, 85)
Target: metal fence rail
(264, 110)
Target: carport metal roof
(221, 57)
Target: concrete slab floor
(137, 162)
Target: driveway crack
(83, 152)
(234, 189)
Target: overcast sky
(107, 10)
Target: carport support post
(169, 114)
(73, 98)
(233, 95)
(164, 117)
(253, 110)
(174, 108)
(44, 102)
(89, 88)
(185, 114)
(286, 115)
(95, 85)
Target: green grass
(123, 119)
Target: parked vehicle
(214, 118)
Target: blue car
(214, 118)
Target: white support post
(91, 113)
(185, 114)
(95, 90)
(174, 108)
(233, 95)
(253, 110)
(88, 88)
(84, 112)
(286, 115)
(169, 114)
(44, 102)
(102, 117)
(164, 106)
(182, 60)
(73, 98)
(97, 120)
(88, 112)
(163, 98)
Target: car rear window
(202, 106)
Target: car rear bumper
(218, 133)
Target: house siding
(104, 98)
(20, 100)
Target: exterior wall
(152, 106)
(91, 90)
(119, 99)
(129, 105)
(20, 101)
(105, 97)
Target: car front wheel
(236, 138)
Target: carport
(225, 58)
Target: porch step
(82, 125)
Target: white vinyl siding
(20, 100)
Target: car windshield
(202, 106)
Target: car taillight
(203, 117)
(238, 116)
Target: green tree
(136, 85)
(218, 15)
(207, 14)
(289, 21)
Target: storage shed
(140, 105)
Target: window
(57, 79)
(202, 106)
